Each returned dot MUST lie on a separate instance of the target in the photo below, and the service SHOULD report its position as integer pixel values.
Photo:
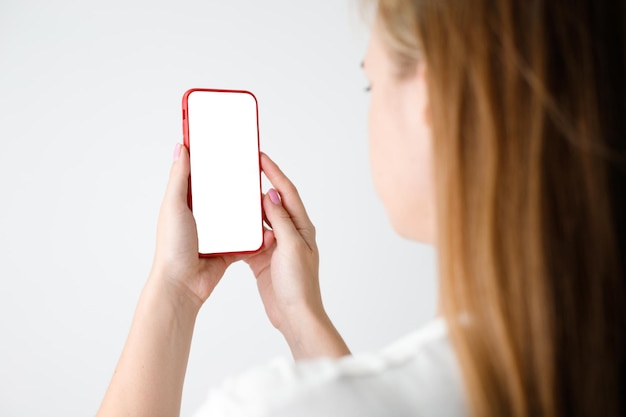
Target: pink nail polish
(176, 151)
(274, 196)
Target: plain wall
(90, 99)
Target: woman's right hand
(287, 272)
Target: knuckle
(291, 189)
(283, 215)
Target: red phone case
(187, 144)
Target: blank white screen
(225, 174)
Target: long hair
(528, 113)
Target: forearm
(313, 336)
(148, 379)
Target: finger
(265, 220)
(269, 242)
(291, 200)
(178, 183)
(283, 227)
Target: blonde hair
(528, 104)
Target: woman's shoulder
(418, 374)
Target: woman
(498, 134)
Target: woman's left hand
(176, 259)
(148, 379)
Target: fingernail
(274, 196)
(176, 151)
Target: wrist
(311, 334)
(169, 292)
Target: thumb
(279, 218)
(178, 183)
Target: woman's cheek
(386, 158)
(400, 163)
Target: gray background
(90, 98)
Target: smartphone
(221, 131)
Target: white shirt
(416, 376)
